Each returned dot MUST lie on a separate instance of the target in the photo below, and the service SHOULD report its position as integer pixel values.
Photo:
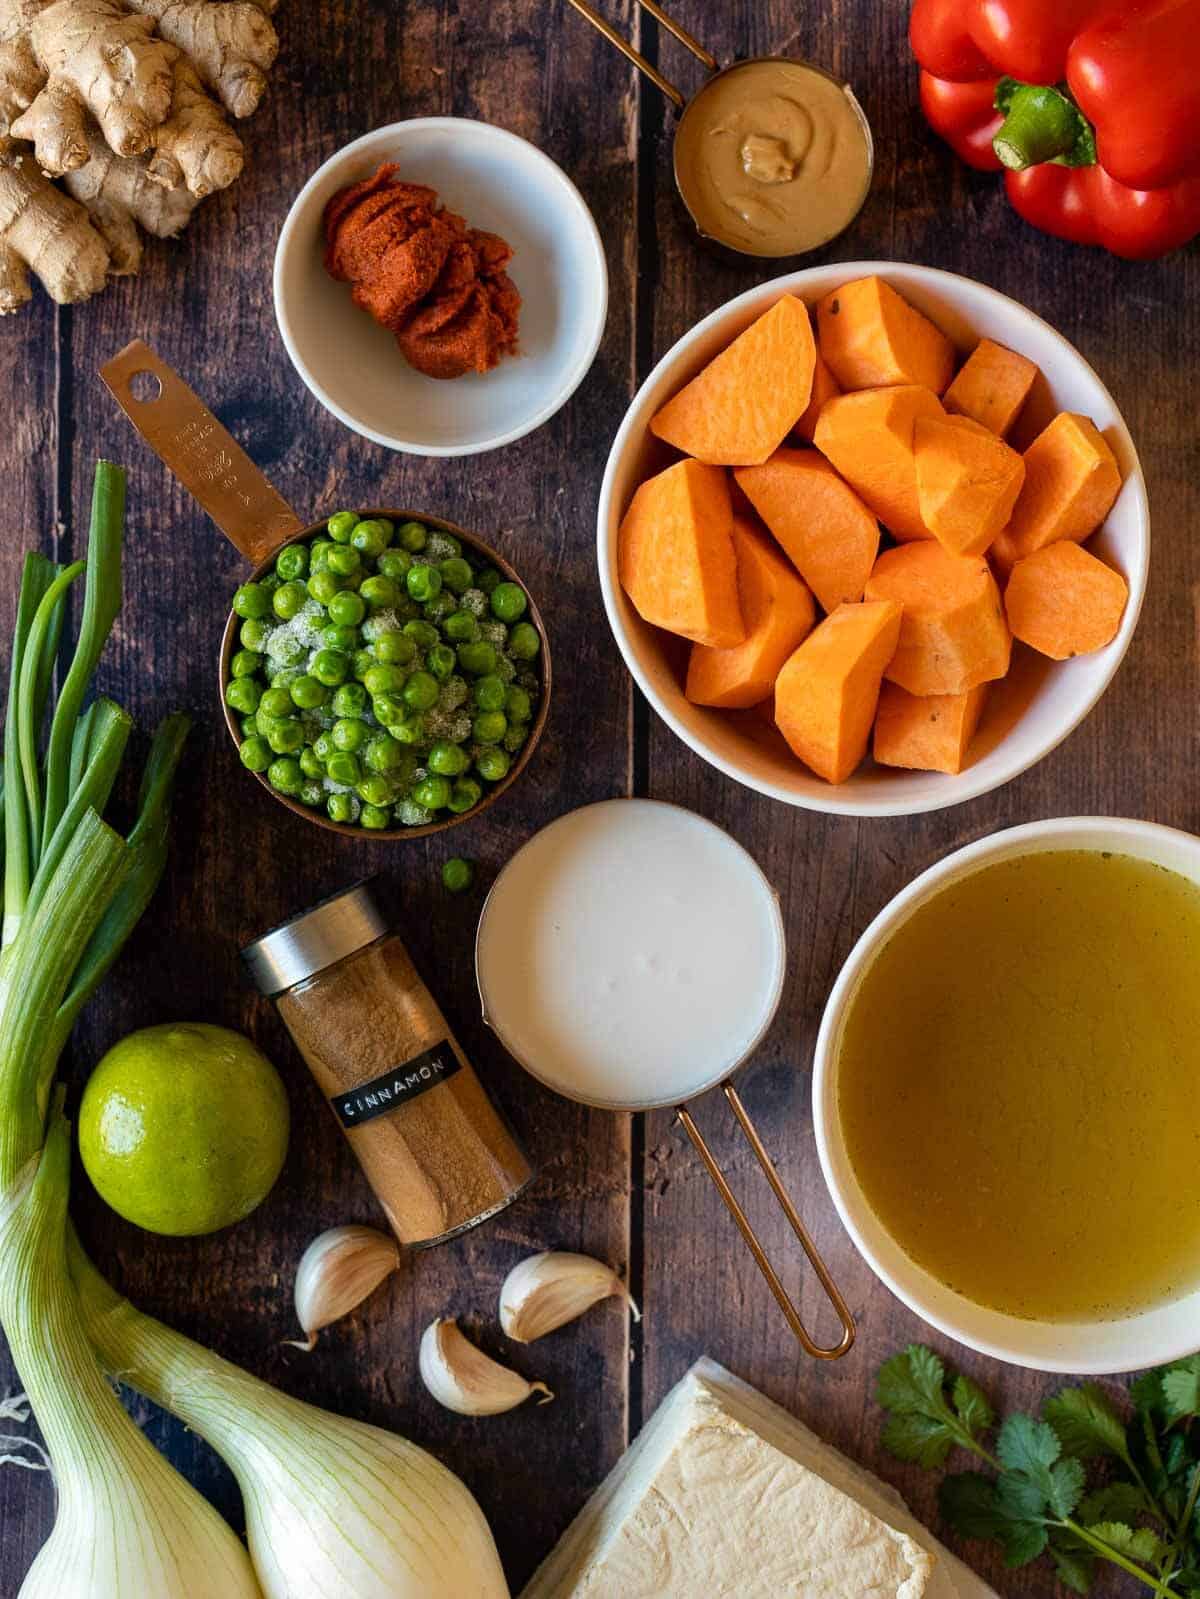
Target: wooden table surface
(631, 1192)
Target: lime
(183, 1128)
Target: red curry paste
(438, 285)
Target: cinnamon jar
(433, 1146)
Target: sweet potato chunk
(827, 531)
(871, 338)
(953, 636)
(869, 438)
(675, 555)
(929, 733)
(826, 695)
(747, 399)
(992, 386)
(967, 482)
(779, 613)
(824, 387)
(1071, 481)
(1064, 602)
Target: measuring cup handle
(192, 444)
(810, 1347)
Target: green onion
(127, 1524)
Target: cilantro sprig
(1035, 1499)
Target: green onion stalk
(126, 1523)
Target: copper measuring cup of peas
(259, 522)
(693, 112)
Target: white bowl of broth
(1006, 1095)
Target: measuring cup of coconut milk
(631, 956)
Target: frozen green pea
(523, 642)
(383, 754)
(342, 808)
(456, 574)
(344, 561)
(245, 663)
(461, 627)
(380, 593)
(254, 633)
(493, 764)
(373, 817)
(394, 648)
(412, 536)
(285, 736)
(252, 601)
(347, 609)
(371, 537)
(423, 582)
(292, 562)
(310, 762)
(249, 726)
(457, 874)
(334, 637)
(441, 661)
(448, 759)
(343, 766)
(478, 658)
(288, 599)
(489, 727)
(394, 564)
(465, 793)
(433, 792)
(349, 700)
(348, 735)
(255, 754)
(331, 667)
(277, 702)
(518, 707)
(243, 695)
(489, 692)
(308, 692)
(340, 526)
(285, 775)
(324, 586)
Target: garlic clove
(464, 1379)
(546, 1291)
(337, 1272)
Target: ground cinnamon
(433, 1146)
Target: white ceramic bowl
(500, 183)
(1155, 1336)
(1034, 708)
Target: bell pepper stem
(1041, 123)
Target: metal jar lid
(315, 939)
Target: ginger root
(43, 230)
(128, 102)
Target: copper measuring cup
(685, 108)
(496, 995)
(258, 522)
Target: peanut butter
(773, 157)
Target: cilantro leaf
(911, 1382)
(1028, 1445)
(924, 1439)
(1074, 1566)
(1181, 1390)
(923, 1426)
(1087, 1423)
(967, 1501)
(972, 1405)
(1136, 1543)
(1146, 1394)
(1115, 1501)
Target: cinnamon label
(397, 1086)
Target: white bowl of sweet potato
(873, 538)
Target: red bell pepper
(1092, 106)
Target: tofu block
(1071, 481)
(869, 439)
(968, 481)
(824, 387)
(675, 555)
(871, 338)
(827, 694)
(779, 613)
(724, 1493)
(954, 635)
(926, 734)
(1062, 601)
(991, 387)
(828, 533)
(748, 399)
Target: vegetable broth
(1019, 1085)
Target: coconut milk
(630, 954)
